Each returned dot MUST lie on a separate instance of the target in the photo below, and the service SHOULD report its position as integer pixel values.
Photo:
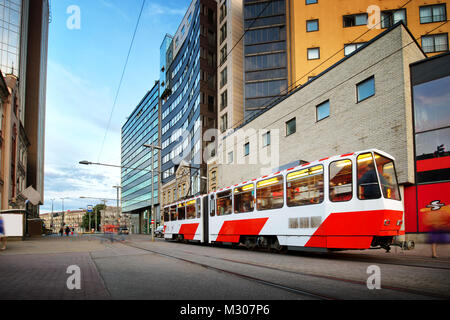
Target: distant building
(142, 127)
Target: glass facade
(191, 96)
(141, 128)
(10, 21)
(265, 53)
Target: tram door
(205, 216)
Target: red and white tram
(350, 201)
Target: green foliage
(95, 213)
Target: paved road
(140, 269)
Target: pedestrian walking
(61, 231)
(67, 231)
(2, 234)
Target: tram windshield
(369, 179)
(388, 177)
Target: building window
(224, 100)
(433, 13)
(224, 123)
(223, 11)
(223, 33)
(389, 18)
(313, 53)
(223, 77)
(435, 43)
(266, 139)
(223, 54)
(312, 25)
(311, 1)
(349, 48)
(323, 110)
(366, 89)
(230, 157)
(355, 20)
(291, 127)
(246, 149)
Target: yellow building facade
(322, 32)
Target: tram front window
(368, 187)
(387, 176)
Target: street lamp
(152, 147)
(118, 212)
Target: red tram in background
(350, 201)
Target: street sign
(90, 208)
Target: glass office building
(265, 48)
(10, 24)
(188, 103)
(141, 128)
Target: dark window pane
(265, 47)
(263, 75)
(433, 144)
(267, 61)
(366, 89)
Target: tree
(95, 213)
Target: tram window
(190, 209)
(173, 213)
(212, 206)
(305, 187)
(199, 208)
(270, 194)
(341, 181)
(166, 214)
(368, 187)
(224, 203)
(181, 212)
(388, 177)
(244, 199)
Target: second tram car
(350, 201)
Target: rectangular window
(305, 187)
(223, 54)
(341, 181)
(435, 43)
(224, 203)
(230, 157)
(244, 199)
(173, 212)
(223, 77)
(434, 13)
(349, 48)
(313, 53)
(312, 25)
(355, 20)
(246, 149)
(368, 187)
(323, 110)
(224, 123)
(389, 18)
(181, 211)
(270, 194)
(266, 139)
(291, 127)
(190, 209)
(223, 100)
(223, 33)
(311, 1)
(366, 89)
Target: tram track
(300, 291)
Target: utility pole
(118, 210)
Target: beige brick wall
(383, 121)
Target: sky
(88, 45)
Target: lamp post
(63, 214)
(152, 213)
(118, 211)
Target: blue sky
(84, 69)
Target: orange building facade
(322, 32)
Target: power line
(339, 84)
(293, 85)
(121, 78)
